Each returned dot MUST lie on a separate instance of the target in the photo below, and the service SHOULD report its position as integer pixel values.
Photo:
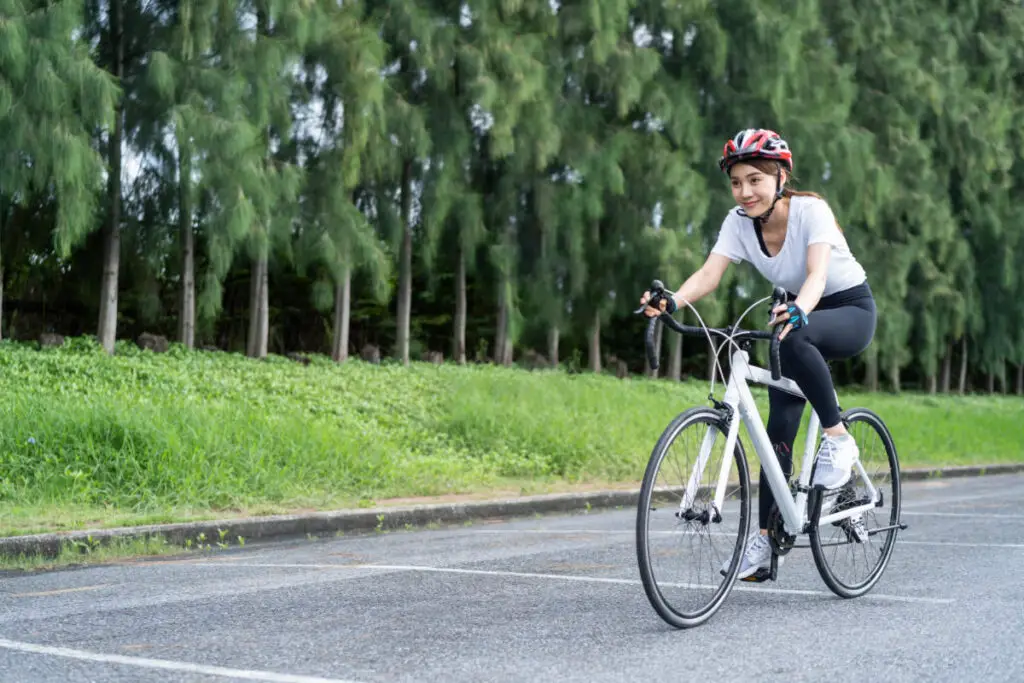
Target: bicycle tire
(648, 576)
(890, 528)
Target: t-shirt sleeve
(728, 243)
(820, 224)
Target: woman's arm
(810, 293)
(702, 282)
(818, 255)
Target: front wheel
(852, 554)
(688, 549)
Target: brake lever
(657, 292)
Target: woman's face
(752, 188)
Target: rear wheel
(685, 541)
(851, 554)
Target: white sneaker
(835, 459)
(757, 556)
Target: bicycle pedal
(760, 576)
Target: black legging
(841, 326)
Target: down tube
(766, 454)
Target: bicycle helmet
(756, 143)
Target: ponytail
(786, 192)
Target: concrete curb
(362, 520)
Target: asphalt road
(552, 599)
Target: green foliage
(51, 97)
(553, 157)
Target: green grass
(89, 440)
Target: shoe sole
(840, 485)
(751, 571)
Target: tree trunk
(894, 377)
(933, 383)
(107, 327)
(595, 344)
(675, 362)
(504, 336)
(508, 352)
(459, 342)
(1020, 371)
(947, 362)
(259, 305)
(342, 310)
(2, 301)
(554, 335)
(963, 366)
(3, 223)
(187, 313)
(405, 268)
(871, 371)
(990, 382)
(501, 335)
(501, 329)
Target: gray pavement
(556, 598)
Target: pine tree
(122, 31)
(345, 92)
(52, 97)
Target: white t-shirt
(811, 221)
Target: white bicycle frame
(740, 399)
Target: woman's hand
(791, 314)
(665, 304)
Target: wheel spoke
(851, 567)
(681, 551)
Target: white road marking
(981, 495)
(991, 515)
(584, 579)
(166, 665)
(900, 542)
(607, 532)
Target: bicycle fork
(697, 475)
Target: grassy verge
(90, 440)
(78, 554)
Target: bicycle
(698, 506)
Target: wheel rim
(853, 565)
(685, 552)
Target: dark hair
(771, 167)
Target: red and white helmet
(756, 143)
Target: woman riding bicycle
(792, 239)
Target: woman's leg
(784, 413)
(830, 334)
